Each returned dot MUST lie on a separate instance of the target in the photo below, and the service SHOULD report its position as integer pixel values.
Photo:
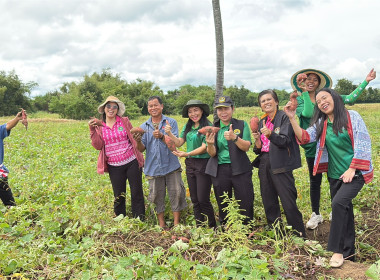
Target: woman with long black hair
(343, 151)
(196, 159)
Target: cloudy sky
(172, 42)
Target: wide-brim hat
(121, 105)
(325, 79)
(195, 103)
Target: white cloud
(172, 42)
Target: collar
(224, 125)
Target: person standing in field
(229, 166)
(279, 155)
(343, 151)
(196, 159)
(162, 168)
(118, 155)
(5, 191)
(315, 80)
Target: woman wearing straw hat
(118, 155)
(196, 159)
(315, 80)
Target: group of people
(327, 131)
(335, 140)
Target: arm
(305, 106)
(353, 96)
(198, 151)
(298, 131)
(96, 137)
(138, 138)
(12, 123)
(177, 141)
(210, 140)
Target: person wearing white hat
(309, 86)
(119, 155)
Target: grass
(63, 226)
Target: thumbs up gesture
(265, 130)
(168, 128)
(229, 134)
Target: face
(225, 114)
(268, 104)
(195, 114)
(312, 82)
(111, 109)
(325, 102)
(155, 108)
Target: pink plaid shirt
(118, 148)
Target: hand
(301, 78)
(266, 131)
(168, 128)
(230, 135)
(137, 137)
(95, 122)
(348, 175)
(19, 115)
(288, 112)
(180, 154)
(210, 138)
(157, 134)
(371, 75)
(256, 135)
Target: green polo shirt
(223, 151)
(194, 141)
(340, 152)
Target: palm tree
(219, 52)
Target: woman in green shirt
(316, 80)
(196, 159)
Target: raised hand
(95, 122)
(287, 109)
(168, 128)
(266, 131)
(229, 135)
(301, 78)
(371, 75)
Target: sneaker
(314, 221)
(330, 216)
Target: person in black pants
(229, 166)
(343, 151)
(196, 159)
(279, 155)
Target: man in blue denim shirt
(5, 191)
(162, 168)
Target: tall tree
(219, 52)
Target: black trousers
(119, 176)
(6, 193)
(342, 228)
(242, 187)
(315, 186)
(200, 187)
(280, 185)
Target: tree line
(79, 100)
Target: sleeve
(182, 134)
(282, 139)
(4, 132)
(174, 125)
(246, 133)
(305, 106)
(362, 144)
(144, 137)
(353, 96)
(96, 138)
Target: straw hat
(195, 103)
(325, 79)
(121, 105)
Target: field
(63, 226)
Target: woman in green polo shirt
(315, 80)
(196, 159)
(343, 150)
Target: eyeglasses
(109, 106)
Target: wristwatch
(237, 137)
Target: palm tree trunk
(219, 53)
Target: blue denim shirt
(3, 133)
(159, 160)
